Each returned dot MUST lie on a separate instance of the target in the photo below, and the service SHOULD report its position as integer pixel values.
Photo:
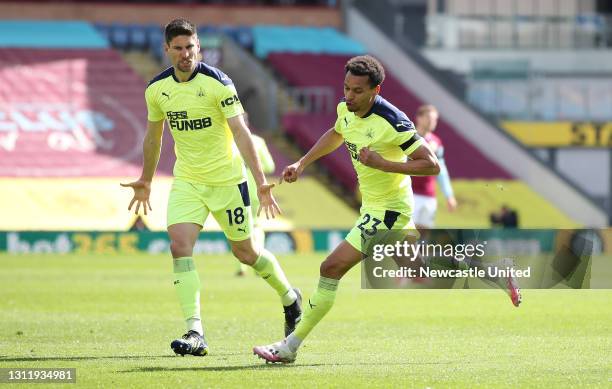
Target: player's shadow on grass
(151, 369)
(60, 358)
(218, 368)
(4, 358)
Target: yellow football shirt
(196, 112)
(389, 132)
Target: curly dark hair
(179, 27)
(366, 65)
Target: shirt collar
(376, 101)
(195, 73)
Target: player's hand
(292, 172)
(451, 204)
(142, 190)
(370, 158)
(267, 201)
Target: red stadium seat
(72, 113)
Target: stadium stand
(542, 73)
(268, 39)
(150, 36)
(304, 70)
(109, 95)
(72, 112)
(72, 121)
(50, 34)
(72, 117)
(446, 65)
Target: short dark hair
(366, 65)
(179, 27)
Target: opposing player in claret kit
(205, 117)
(426, 204)
(424, 187)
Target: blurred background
(523, 88)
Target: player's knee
(331, 268)
(181, 248)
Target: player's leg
(186, 214)
(335, 266)
(259, 238)
(241, 269)
(186, 279)
(257, 233)
(424, 213)
(267, 267)
(371, 227)
(509, 284)
(341, 260)
(424, 217)
(232, 211)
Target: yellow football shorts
(380, 226)
(229, 205)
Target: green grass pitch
(112, 318)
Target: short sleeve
(228, 101)
(341, 120)
(407, 140)
(154, 113)
(337, 126)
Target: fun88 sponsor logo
(178, 120)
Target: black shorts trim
(390, 218)
(243, 187)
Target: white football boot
(276, 352)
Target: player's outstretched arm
(242, 137)
(326, 144)
(422, 162)
(151, 148)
